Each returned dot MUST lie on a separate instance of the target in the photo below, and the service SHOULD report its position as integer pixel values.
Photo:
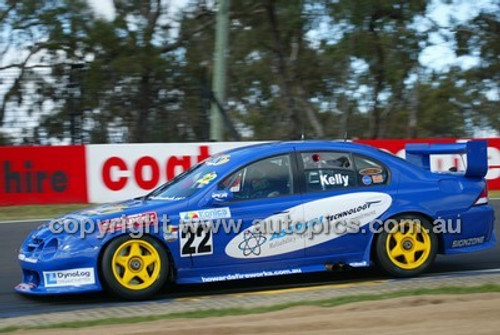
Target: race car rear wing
(476, 151)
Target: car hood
(131, 211)
(128, 208)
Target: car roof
(283, 146)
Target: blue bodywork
(410, 188)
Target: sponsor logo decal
(129, 221)
(261, 274)
(336, 179)
(370, 171)
(102, 210)
(109, 208)
(73, 277)
(254, 242)
(170, 198)
(367, 180)
(221, 195)
(467, 242)
(206, 179)
(218, 160)
(25, 287)
(378, 178)
(22, 257)
(206, 214)
(171, 234)
(358, 264)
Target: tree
(319, 68)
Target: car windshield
(186, 184)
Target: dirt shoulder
(439, 314)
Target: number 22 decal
(196, 240)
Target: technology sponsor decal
(262, 241)
(260, 274)
(218, 160)
(336, 179)
(73, 277)
(468, 242)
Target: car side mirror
(222, 196)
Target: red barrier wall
(40, 175)
(74, 174)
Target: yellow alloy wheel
(136, 264)
(408, 245)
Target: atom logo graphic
(252, 242)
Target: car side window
(369, 172)
(267, 178)
(327, 170)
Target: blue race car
(267, 210)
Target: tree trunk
(140, 129)
(413, 117)
(375, 119)
(291, 118)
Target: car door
(263, 192)
(343, 192)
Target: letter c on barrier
(109, 164)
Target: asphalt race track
(13, 304)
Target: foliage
(315, 67)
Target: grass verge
(37, 211)
(494, 194)
(332, 302)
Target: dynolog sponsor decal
(255, 241)
(73, 277)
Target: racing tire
(407, 248)
(134, 268)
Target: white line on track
(465, 272)
(25, 221)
